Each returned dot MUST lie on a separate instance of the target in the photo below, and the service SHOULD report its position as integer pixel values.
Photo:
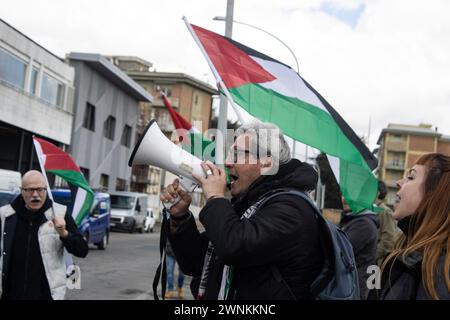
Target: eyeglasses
(32, 190)
(237, 155)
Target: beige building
(401, 146)
(190, 97)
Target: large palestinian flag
(56, 161)
(191, 139)
(273, 92)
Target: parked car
(95, 227)
(128, 210)
(150, 221)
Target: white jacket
(51, 247)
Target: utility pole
(223, 109)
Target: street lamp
(218, 18)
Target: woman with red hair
(418, 267)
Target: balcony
(174, 102)
(400, 166)
(396, 145)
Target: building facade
(36, 98)
(401, 146)
(106, 117)
(190, 97)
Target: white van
(10, 180)
(128, 210)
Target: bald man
(34, 233)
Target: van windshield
(64, 200)
(6, 198)
(122, 202)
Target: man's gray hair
(266, 142)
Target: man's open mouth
(233, 179)
(35, 200)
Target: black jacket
(24, 275)
(362, 231)
(402, 280)
(281, 239)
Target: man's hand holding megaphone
(170, 195)
(215, 182)
(213, 186)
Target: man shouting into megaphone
(253, 247)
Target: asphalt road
(123, 271)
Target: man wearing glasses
(34, 233)
(250, 250)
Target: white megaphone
(154, 148)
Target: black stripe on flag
(370, 159)
(254, 53)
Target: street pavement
(123, 271)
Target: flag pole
(214, 71)
(39, 153)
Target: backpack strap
(161, 271)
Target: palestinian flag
(191, 139)
(59, 163)
(273, 92)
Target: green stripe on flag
(77, 179)
(73, 177)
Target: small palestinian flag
(192, 140)
(56, 161)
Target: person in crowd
(388, 231)
(171, 262)
(34, 232)
(248, 251)
(418, 267)
(362, 231)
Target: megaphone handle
(185, 184)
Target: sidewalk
(186, 290)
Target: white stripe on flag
(79, 201)
(42, 158)
(335, 166)
(288, 83)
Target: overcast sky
(387, 60)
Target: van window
(122, 202)
(66, 201)
(6, 198)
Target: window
(109, 127)
(163, 119)
(396, 159)
(52, 90)
(196, 113)
(104, 181)
(120, 184)
(167, 91)
(85, 172)
(89, 117)
(125, 140)
(33, 80)
(397, 137)
(12, 69)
